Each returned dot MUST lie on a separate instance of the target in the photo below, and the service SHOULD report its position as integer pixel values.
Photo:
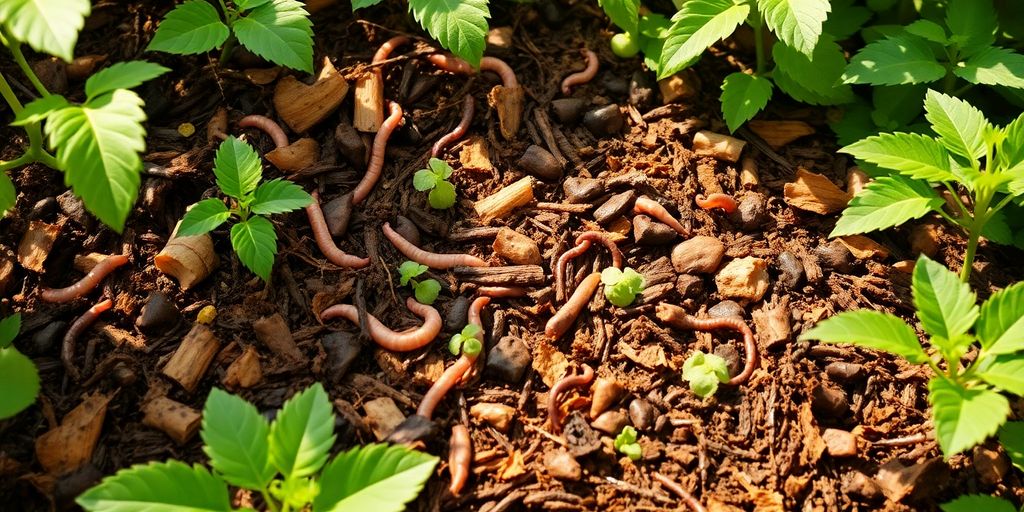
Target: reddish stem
(554, 397)
(79, 326)
(582, 77)
(325, 242)
(380, 143)
(677, 317)
(716, 200)
(468, 107)
(687, 498)
(87, 283)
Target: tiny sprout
(466, 341)
(622, 287)
(426, 291)
(626, 443)
(435, 179)
(704, 372)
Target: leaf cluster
(622, 286)
(286, 461)
(705, 372)
(459, 25)
(425, 290)
(625, 443)
(19, 377)
(435, 179)
(467, 341)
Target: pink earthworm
(79, 326)
(554, 399)
(502, 291)
(468, 107)
(460, 457)
(458, 66)
(581, 77)
(87, 283)
(653, 208)
(406, 341)
(687, 498)
(566, 316)
(597, 236)
(716, 200)
(322, 234)
(678, 317)
(380, 142)
(563, 260)
(430, 259)
(389, 46)
(457, 371)
(268, 126)
(475, 308)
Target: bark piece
(504, 201)
(273, 332)
(369, 102)
(722, 147)
(780, 133)
(299, 155)
(508, 101)
(6, 269)
(518, 275)
(36, 244)
(189, 363)
(815, 193)
(475, 155)
(864, 248)
(189, 259)
(70, 445)
(383, 416)
(498, 416)
(680, 86)
(749, 178)
(179, 421)
(244, 372)
(302, 106)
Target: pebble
(615, 206)
(990, 465)
(844, 372)
(924, 239)
(604, 121)
(829, 402)
(539, 162)
(836, 256)
(856, 483)
(606, 393)
(158, 312)
(698, 255)
(43, 208)
(791, 270)
(651, 232)
(582, 190)
(342, 349)
(516, 247)
(610, 422)
(350, 144)
(839, 443)
(498, 416)
(917, 481)
(732, 358)
(508, 360)
(561, 465)
(458, 314)
(727, 309)
(614, 83)
(46, 339)
(751, 213)
(743, 278)
(642, 90)
(689, 286)
(408, 230)
(338, 213)
(74, 208)
(641, 414)
(568, 110)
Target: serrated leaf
(946, 306)
(279, 31)
(978, 503)
(871, 329)
(8, 195)
(255, 243)
(698, 25)
(237, 168)
(19, 379)
(960, 126)
(424, 180)
(797, 23)
(964, 417)
(158, 486)
(972, 22)
(203, 217)
(123, 75)
(38, 110)
(1005, 373)
(624, 13)
(359, 4)
(895, 60)
(245, 5)
(48, 26)
(818, 73)
(993, 66)
(1011, 150)
(743, 96)
(886, 202)
(912, 155)
(459, 25)
(373, 477)
(190, 28)
(929, 30)
(854, 124)
(9, 329)
(235, 439)
(896, 106)
(426, 291)
(97, 148)
(1011, 436)
(279, 196)
(302, 434)
(442, 196)
(1000, 326)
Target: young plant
(426, 290)
(96, 143)
(19, 377)
(284, 461)
(625, 443)
(622, 287)
(435, 179)
(978, 502)
(459, 25)
(466, 342)
(705, 372)
(239, 171)
(968, 404)
(277, 30)
(952, 159)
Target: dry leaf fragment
(70, 445)
(815, 193)
(780, 133)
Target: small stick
(687, 498)
(399, 342)
(380, 142)
(87, 283)
(680, 319)
(268, 126)
(567, 382)
(79, 326)
(468, 107)
(653, 208)
(325, 242)
(430, 259)
(581, 77)
(716, 200)
(566, 316)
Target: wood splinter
(192, 358)
(175, 419)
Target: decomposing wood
(465, 235)
(383, 416)
(722, 147)
(508, 101)
(193, 356)
(779, 133)
(517, 275)
(175, 419)
(564, 207)
(302, 106)
(504, 201)
(369, 102)
(273, 332)
(82, 66)
(189, 259)
(772, 323)
(217, 126)
(815, 193)
(299, 155)
(748, 173)
(67, 447)
(680, 86)
(262, 76)
(245, 371)
(36, 244)
(6, 269)
(475, 155)
(864, 248)
(120, 337)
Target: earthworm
(597, 236)
(324, 241)
(380, 143)
(460, 456)
(473, 315)
(653, 208)
(508, 77)
(430, 259)
(564, 318)
(468, 106)
(563, 260)
(411, 339)
(455, 372)
(679, 318)
(87, 283)
(716, 200)
(458, 66)
(688, 498)
(79, 326)
(581, 77)
(268, 126)
(567, 382)
(385, 49)
(450, 63)
(502, 291)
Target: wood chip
(780, 133)
(722, 147)
(475, 155)
(383, 416)
(864, 248)
(193, 356)
(245, 371)
(36, 244)
(179, 421)
(549, 362)
(70, 445)
(815, 193)
(302, 106)
(505, 201)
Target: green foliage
(797, 23)
(705, 372)
(459, 25)
(277, 30)
(968, 405)
(695, 27)
(426, 290)
(624, 13)
(19, 377)
(435, 179)
(1011, 436)
(978, 502)
(625, 443)
(48, 26)
(282, 461)
(8, 195)
(743, 96)
(467, 342)
(622, 287)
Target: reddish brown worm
(475, 308)
(566, 316)
(468, 107)
(405, 341)
(554, 397)
(678, 317)
(79, 326)
(687, 498)
(457, 371)
(597, 236)
(268, 126)
(581, 77)
(653, 208)
(716, 200)
(499, 292)
(325, 242)
(458, 66)
(563, 260)
(380, 143)
(385, 49)
(87, 283)
(460, 456)
(430, 259)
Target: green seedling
(284, 461)
(622, 287)
(435, 179)
(460, 26)
(705, 372)
(19, 377)
(978, 502)
(239, 172)
(625, 443)
(466, 342)
(968, 403)
(277, 30)
(425, 290)
(624, 45)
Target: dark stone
(615, 207)
(580, 437)
(650, 232)
(508, 360)
(727, 309)
(568, 110)
(844, 372)
(643, 91)
(158, 313)
(350, 144)
(458, 314)
(791, 270)
(540, 163)
(338, 213)
(641, 414)
(43, 208)
(858, 484)
(829, 402)
(732, 358)
(415, 428)
(836, 256)
(614, 84)
(45, 340)
(427, 222)
(582, 190)
(408, 230)
(70, 486)
(751, 213)
(342, 349)
(604, 121)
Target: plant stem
(963, 208)
(225, 51)
(8, 94)
(270, 503)
(35, 150)
(11, 164)
(972, 246)
(15, 47)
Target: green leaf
(621, 288)
(929, 30)
(442, 196)
(623, 13)
(1011, 150)
(704, 372)
(123, 75)
(158, 486)
(302, 434)
(255, 242)
(886, 202)
(743, 96)
(440, 168)
(424, 180)
(279, 31)
(1005, 373)
(871, 329)
(626, 443)
(8, 195)
(964, 417)
(913, 155)
(192, 27)
(359, 4)
(897, 106)
(797, 23)
(459, 25)
(467, 341)
(972, 22)
(9, 329)
(235, 438)
(633, 451)
(237, 168)
(279, 196)
(38, 110)
(373, 477)
(203, 217)
(48, 26)
(409, 270)
(994, 66)
(895, 60)
(846, 20)
(1001, 324)
(97, 148)
(19, 379)
(245, 5)
(978, 503)
(960, 126)
(814, 78)
(611, 276)
(698, 25)
(426, 291)
(946, 306)
(1011, 436)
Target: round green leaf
(9, 329)
(408, 270)
(19, 380)
(424, 180)
(426, 291)
(442, 196)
